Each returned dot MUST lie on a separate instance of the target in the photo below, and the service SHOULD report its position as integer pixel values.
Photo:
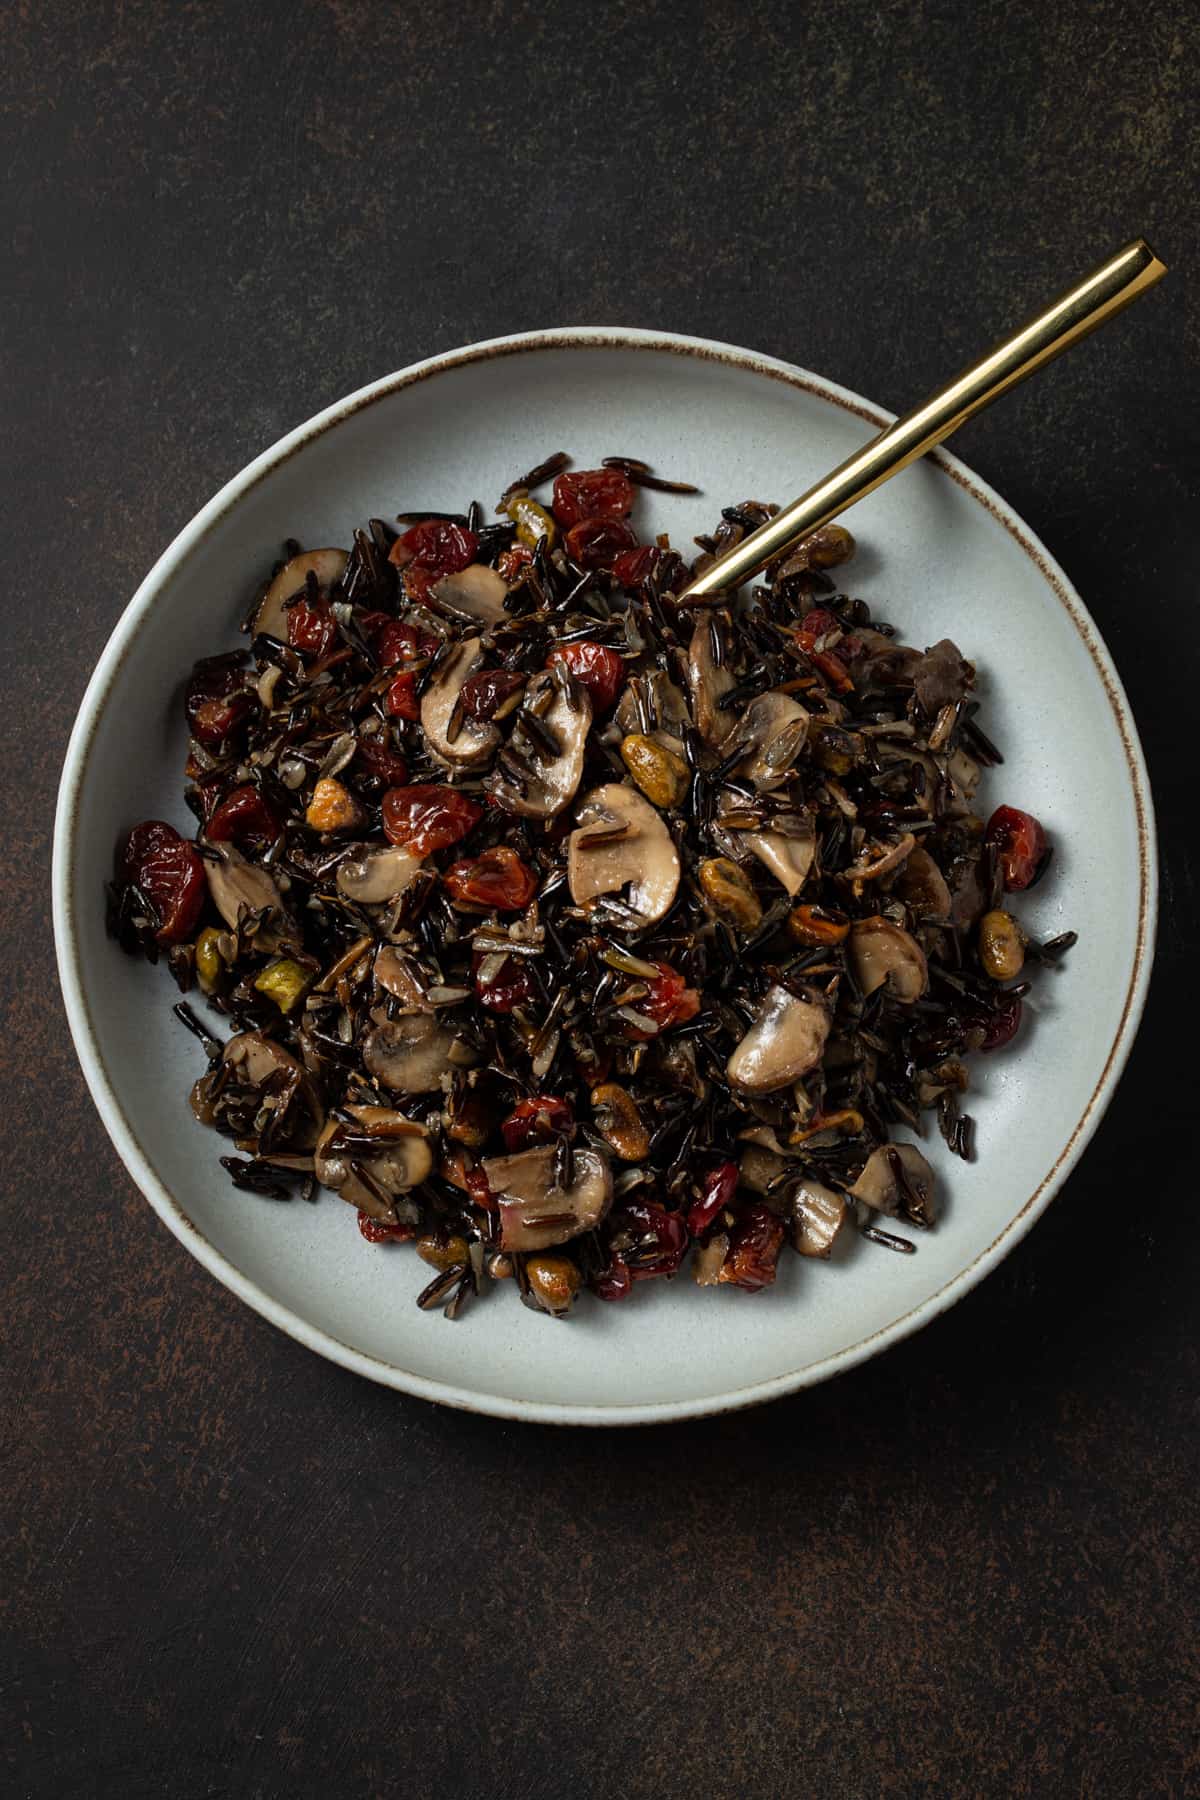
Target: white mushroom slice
(377, 875)
(475, 740)
(395, 977)
(327, 565)
(790, 859)
(818, 1213)
(255, 1058)
(402, 1160)
(411, 1054)
(475, 592)
(870, 865)
(708, 682)
(552, 781)
(785, 1041)
(239, 887)
(922, 887)
(666, 704)
(881, 951)
(965, 773)
(773, 729)
(524, 1185)
(897, 1179)
(644, 857)
(758, 1167)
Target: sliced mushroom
(708, 682)
(790, 859)
(818, 1213)
(239, 887)
(873, 862)
(475, 592)
(667, 712)
(533, 1213)
(395, 977)
(377, 875)
(783, 1044)
(882, 952)
(645, 857)
(965, 773)
(773, 729)
(759, 1167)
(410, 1055)
(942, 677)
(898, 1180)
(327, 565)
(551, 781)
(922, 887)
(466, 742)
(255, 1059)
(402, 1160)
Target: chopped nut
(334, 808)
(728, 889)
(663, 776)
(284, 982)
(1001, 946)
(208, 958)
(554, 1282)
(441, 1255)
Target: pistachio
(729, 891)
(619, 1122)
(1001, 946)
(334, 808)
(554, 1282)
(662, 775)
(284, 982)
(208, 958)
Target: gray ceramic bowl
(940, 555)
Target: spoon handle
(1079, 310)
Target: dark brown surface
(966, 1569)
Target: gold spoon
(1089, 303)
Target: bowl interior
(936, 558)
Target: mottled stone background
(229, 1569)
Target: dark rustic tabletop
(232, 1569)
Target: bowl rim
(65, 896)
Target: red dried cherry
(437, 545)
(1019, 841)
(376, 757)
(428, 817)
(480, 1189)
(312, 629)
(613, 1283)
(244, 817)
(633, 567)
(482, 694)
(170, 873)
(536, 1121)
(597, 543)
(509, 988)
(496, 879)
(1001, 1023)
(716, 1191)
(400, 642)
(377, 1232)
(510, 562)
(402, 702)
(592, 494)
(662, 1239)
(596, 668)
(754, 1246)
(217, 700)
(670, 1001)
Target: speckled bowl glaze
(940, 554)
